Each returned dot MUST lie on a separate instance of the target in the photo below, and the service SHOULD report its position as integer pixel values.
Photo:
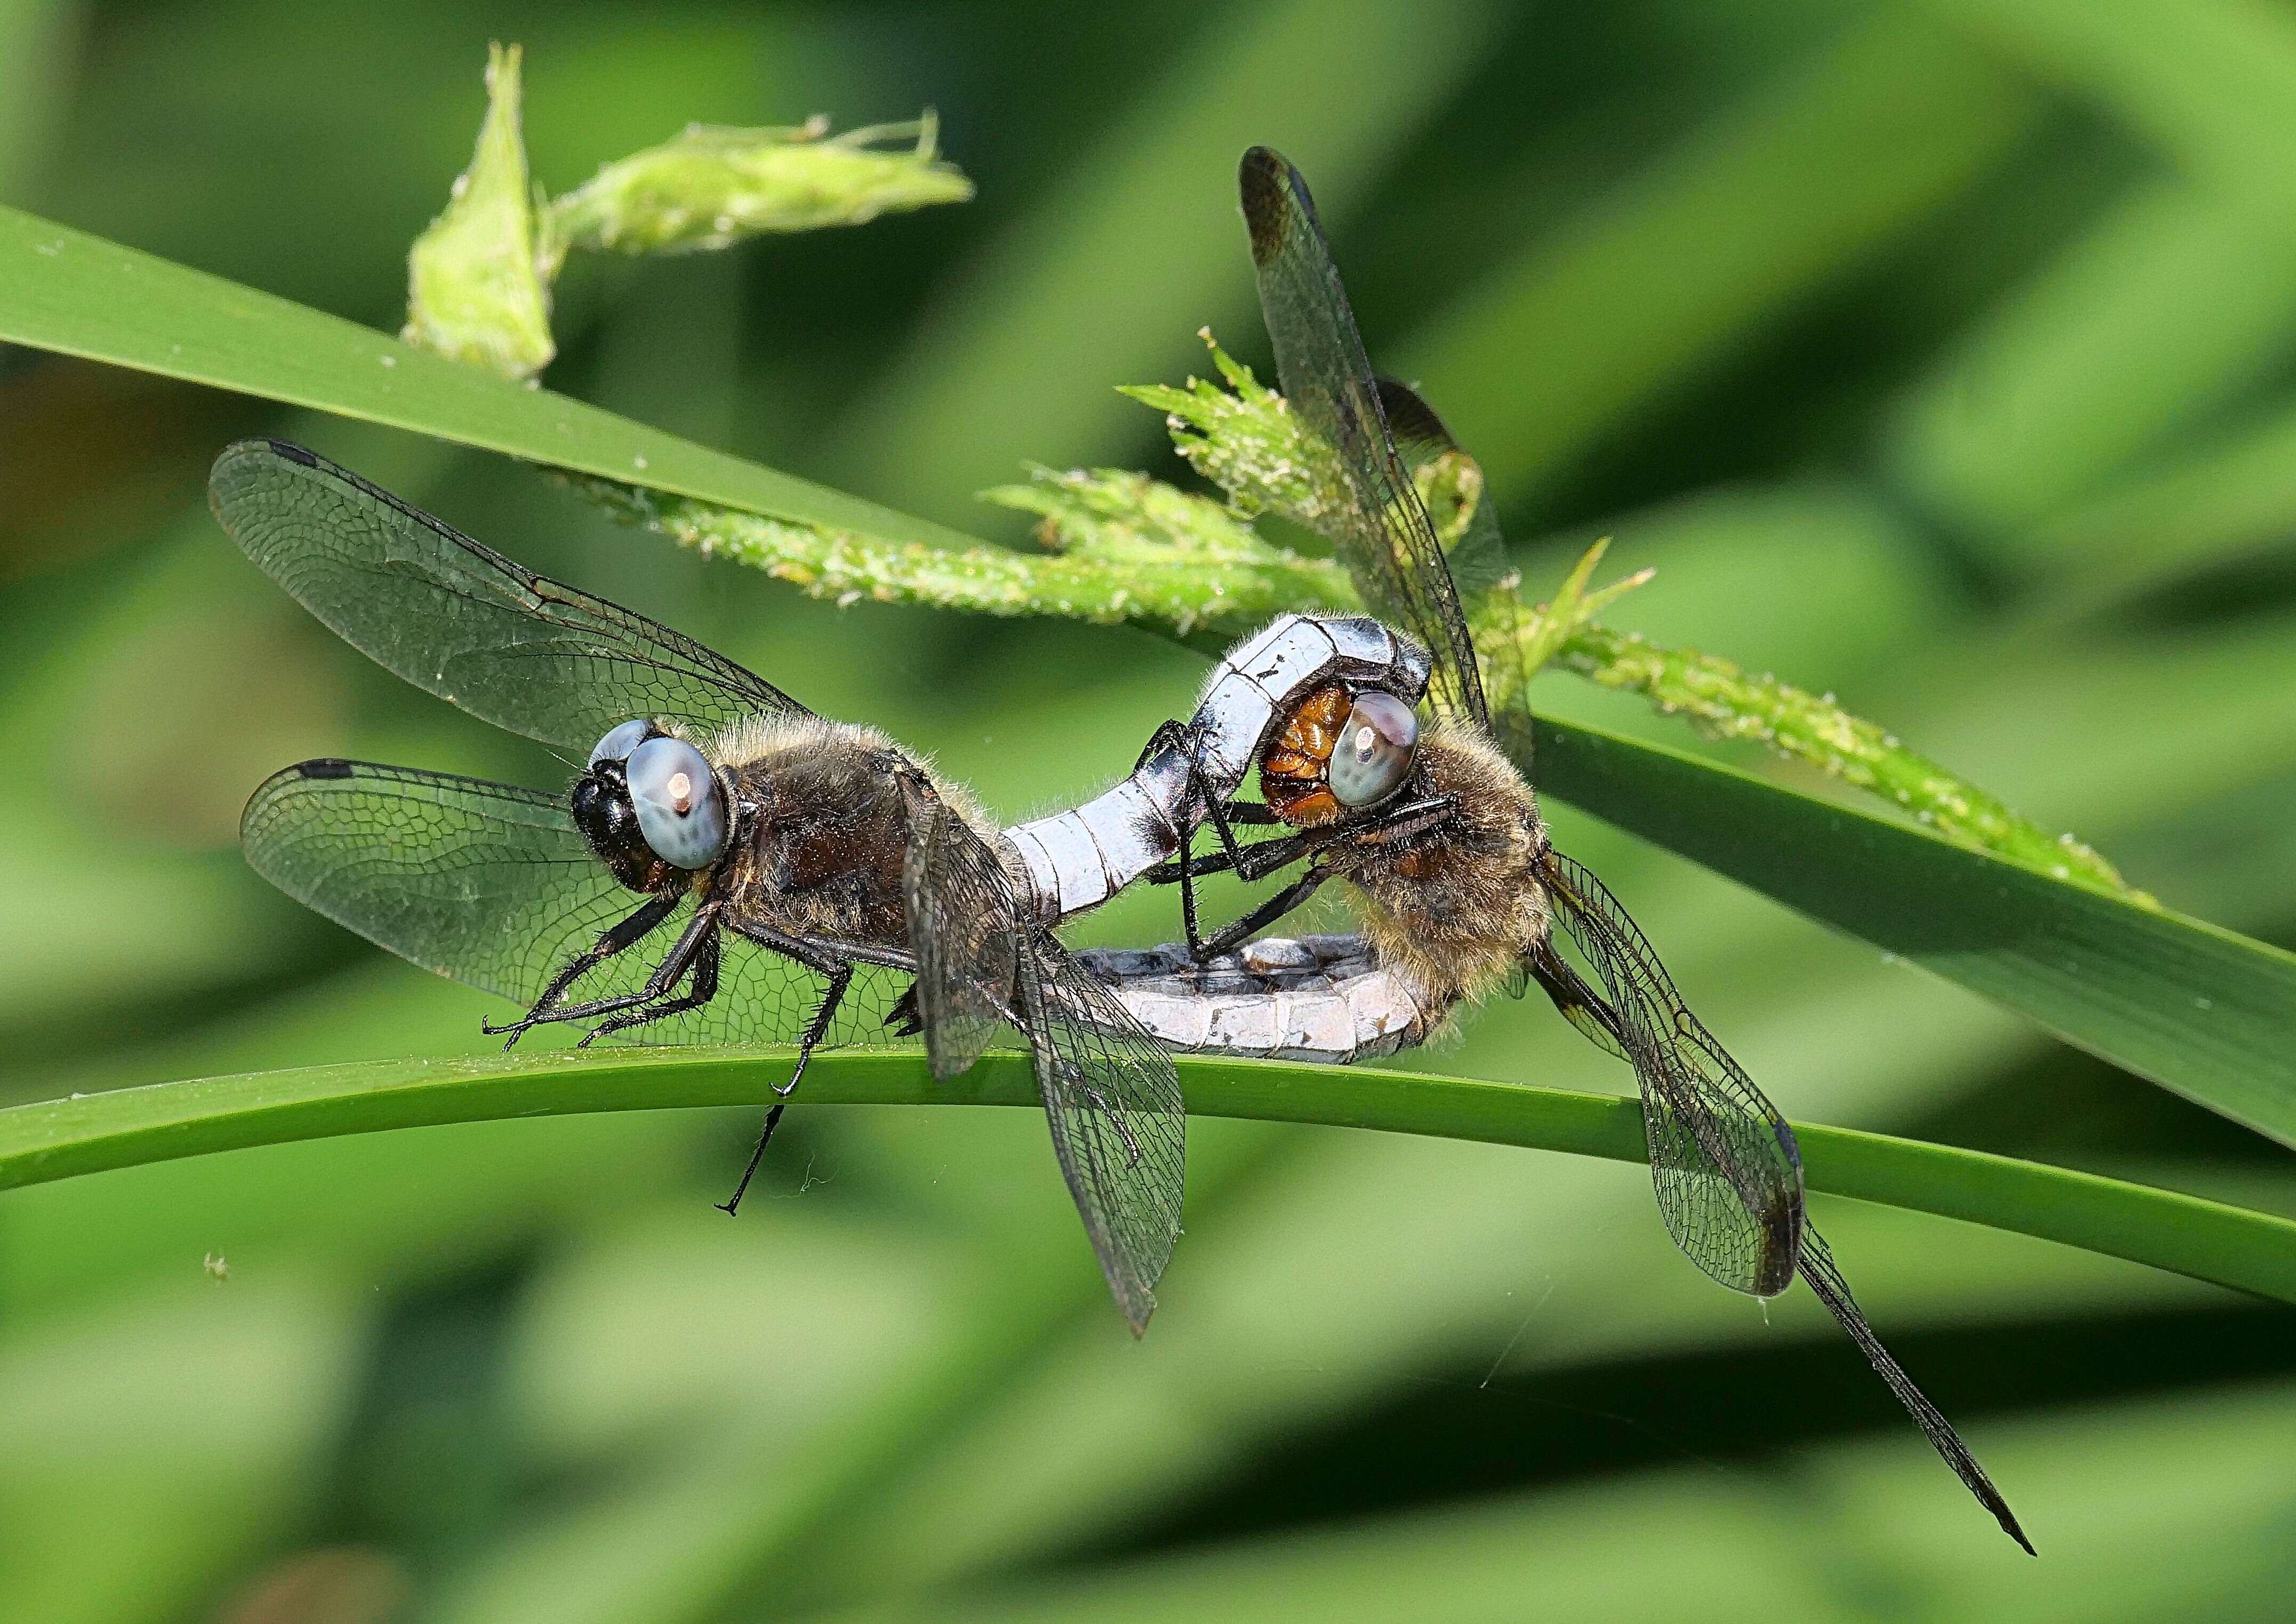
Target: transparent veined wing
(964, 928)
(1383, 535)
(492, 885)
(455, 618)
(1818, 1267)
(1118, 1125)
(1482, 576)
(1728, 1170)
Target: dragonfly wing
(1379, 529)
(1818, 1267)
(1119, 1126)
(1482, 574)
(493, 886)
(455, 618)
(963, 920)
(1727, 1169)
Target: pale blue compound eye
(619, 742)
(681, 810)
(1376, 748)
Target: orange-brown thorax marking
(1295, 771)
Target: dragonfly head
(651, 807)
(1339, 751)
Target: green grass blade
(2196, 1008)
(66, 291)
(2250, 1251)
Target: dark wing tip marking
(1263, 177)
(257, 449)
(284, 780)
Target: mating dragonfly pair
(819, 885)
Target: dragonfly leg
(1255, 860)
(1173, 736)
(839, 973)
(616, 939)
(704, 988)
(1267, 913)
(1265, 857)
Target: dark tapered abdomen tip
(1262, 177)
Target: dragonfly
(726, 865)
(1435, 830)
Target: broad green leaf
(66, 1138)
(66, 291)
(2209, 82)
(2194, 1007)
(2169, 307)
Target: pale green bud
(714, 186)
(476, 290)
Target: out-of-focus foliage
(1937, 355)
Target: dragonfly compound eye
(619, 742)
(681, 810)
(1377, 744)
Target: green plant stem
(1139, 551)
(54, 1139)
(475, 287)
(1209, 589)
(1727, 702)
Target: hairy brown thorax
(1295, 769)
(1460, 905)
(823, 828)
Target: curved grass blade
(2230, 1246)
(2196, 1008)
(66, 291)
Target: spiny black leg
(1413, 817)
(1169, 735)
(839, 980)
(765, 1138)
(1261, 858)
(1172, 737)
(1264, 857)
(1252, 813)
(615, 938)
(1267, 913)
(1274, 854)
(704, 988)
(702, 927)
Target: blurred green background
(1942, 356)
